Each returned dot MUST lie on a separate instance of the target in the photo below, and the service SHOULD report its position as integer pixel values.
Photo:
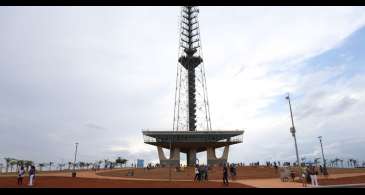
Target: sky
(99, 75)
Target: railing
(236, 139)
(149, 139)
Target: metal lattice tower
(191, 110)
(192, 132)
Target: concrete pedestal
(173, 160)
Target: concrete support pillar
(225, 153)
(161, 155)
(173, 160)
(212, 158)
(211, 154)
(175, 154)
(191, 157)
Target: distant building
(140, 163)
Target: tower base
(212, 159)
(191, 157)
(174, 159)
(191, 143)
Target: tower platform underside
(192, 142)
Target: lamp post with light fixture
(74, 171)
(324, 160)
(292, 131)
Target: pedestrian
(292, 174)
(304, 176)
(231, 170)
(206, 172)
(308, 173)
(321, 169)
(276, 167)
(313, 176)
(21, 173)
(225, 175)
(196, 171)
(31, 175)
(201, 173)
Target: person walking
(292, 174)
(21, 173)
(321, 169)
(235, 170)
(304, 176)
(225, 175)
(206, 172)
(231, 170)
(313, 176)
(196, 171)
(201, 173)
(276, 167)
(31, 175)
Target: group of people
(273, 164)
(233, 170)
(309, 174)
(201, 173)
(254, 164)
(21, 174)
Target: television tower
(191, 111)
(192, 132)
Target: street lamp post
(74, 171)
(324, 160)
(292, 131)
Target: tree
(106, 162)
(41, 165)
(12, 163)
(19, 163)
(27, 164)
(69, 165)
(61, 165)
(50, 165)
(119, 161)
(124, 161)
(99, 163)
(88, 164)
(7, 161)
(81, 164)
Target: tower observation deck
(192, 131)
